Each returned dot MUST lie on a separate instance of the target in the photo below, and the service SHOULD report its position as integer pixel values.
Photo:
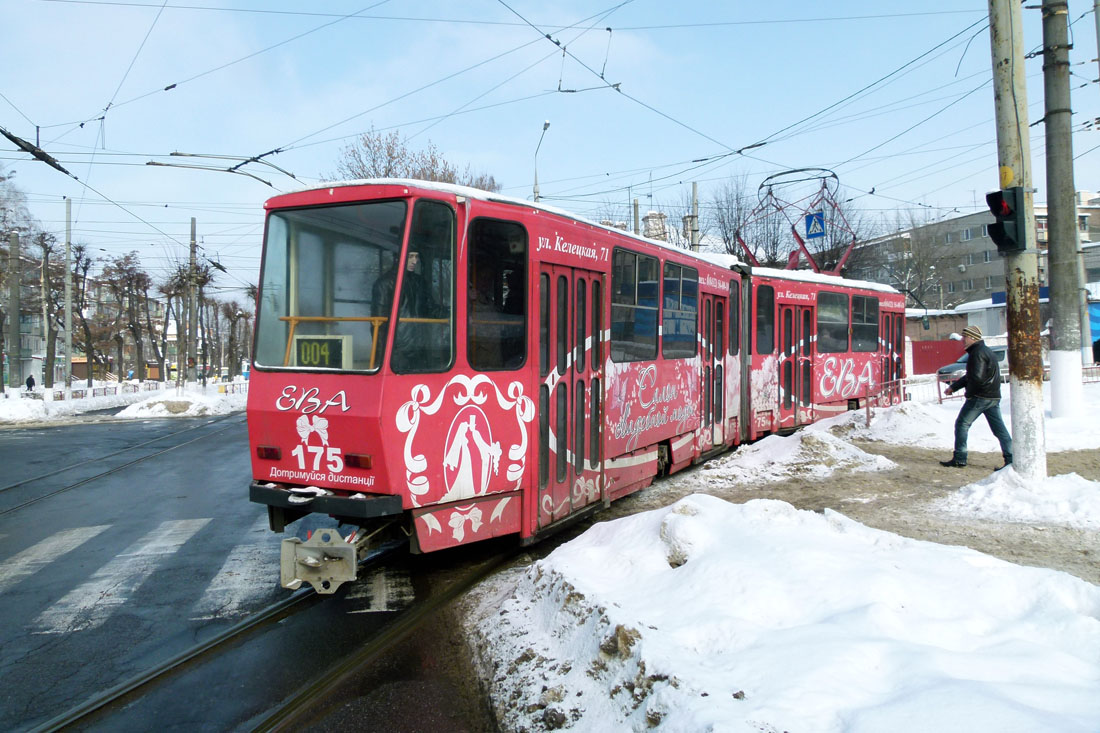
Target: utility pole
(44, 281)
(1067, 393)
(694, 216)
(68, 295)
(637, 219)
(15, 347)
(1021, 268)
(192, 310)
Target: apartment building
(954, 261)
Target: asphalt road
(122, 543)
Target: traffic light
(1009, 232)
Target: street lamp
(545, 127)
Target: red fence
(928, 356)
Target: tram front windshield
(329, 279)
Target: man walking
(982, 382)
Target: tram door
(571, 354)
(892, 343)
(796, 326)
(713, 378)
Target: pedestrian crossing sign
(815, 225)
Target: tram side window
(832, 323)
(765, 319)
(496, 333)
(864, 323)
(321, 267)
(634, 281)
(735, 317)
(423, 340)
(680, 317)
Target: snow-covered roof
(977, 305)
(930, 312)
(820, 277)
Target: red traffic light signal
(1009, 232)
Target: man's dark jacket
(983, 373)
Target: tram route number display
(320, 352)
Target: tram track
(308, 703)
(115, 469)
(127, 690)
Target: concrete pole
(1022, 268)
(1067, 392)
(192, 310)
(15, 347)
(637, 218)
(68, 295)
(694, 216)
(44, 283)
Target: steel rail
(291, 714)
(84, 710)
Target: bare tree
(913, 258)
(378, 155)
(129, 284)
(96, 327)
(174, 290)
(736, 212)
(730, 206)
(53, 297)
(234, 317)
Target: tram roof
(721, 259)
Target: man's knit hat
(973, 332)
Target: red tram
(455, 365)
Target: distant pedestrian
(30, 382)
(982, 383)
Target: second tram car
(449, 365)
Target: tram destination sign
(322, 352)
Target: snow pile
(775, 458)
(19, 409)
(1070, 500)
(190, 402)
(927, 425)
(759, 617)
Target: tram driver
(411, 336)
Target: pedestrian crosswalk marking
(250, 569)
(34, 558)
(92, 603)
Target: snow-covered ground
(707, 615)
(711, 616)
(216, 398)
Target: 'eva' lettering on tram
(308, 401)
(839, 377)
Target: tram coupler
(326, 561)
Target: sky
(758, 617)
(894, 98)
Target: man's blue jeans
(971, 409)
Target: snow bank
(775, 458)
(759, 617)
(186, 403)
(1068, 500)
